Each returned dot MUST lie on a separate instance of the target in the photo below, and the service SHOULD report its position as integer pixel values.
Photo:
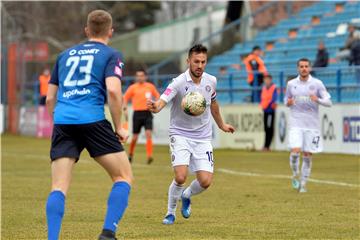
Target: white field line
(249, 174)
(222, 170)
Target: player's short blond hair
(99, 22)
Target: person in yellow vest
(256, 70)
(44, 79)
(268, 104)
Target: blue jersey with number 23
(80, 74)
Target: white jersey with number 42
(193, 127)
(305, 112)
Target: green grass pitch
(239, 204)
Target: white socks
(295, 163)
(305, 169)
(174, 195)
(193, 189)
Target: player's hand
(290, 102)
(151, 105)
(122, 134)
(228, 128)
(314, 98)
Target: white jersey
(199, 127)
(305, 113)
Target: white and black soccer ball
(193, 104)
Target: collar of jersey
(188, 77)
(94, 42)
(309, 80)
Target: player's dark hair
(256, 48)
(197, 48)
(141, 70)
(303, 60)
(99, 22)
(268, 76)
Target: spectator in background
(256, 70)
(355, 53)
(322, 56)
(223, 70)
(355, 58)
(268, 104)
(44, 79)
(345, 52)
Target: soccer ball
(193, 104)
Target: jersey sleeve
(171, 91)
(213, 94)
(55, 74)
(287, 93)
(115, 66)
(323, 93)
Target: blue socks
(54, 213)
(117, 203)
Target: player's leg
(136, 128)
(148, 133)
(295, 144)
(175, 190)
(270, 132)
(118, 167)
(104, 146)
(180, 158)
(133, 142)
(266, 130)
(202, 163)
(61, 171)
(305, 170)
(65, 151)
(312, 144)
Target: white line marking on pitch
(249, 174)
(223, 170)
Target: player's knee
(148, 135)
(295, 150)
(205, 183)
(180, 179)
(307, 154)
(134, 138)
(129, 179)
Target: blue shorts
(68, 140)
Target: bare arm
(215, 112)
(114, 94)
(156, 106)
(51, 98)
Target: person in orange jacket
(268, 104)
(256, 71)
(138, 93)
(44, 79)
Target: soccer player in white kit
(190, 136)
(303, 95)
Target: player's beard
(304, 74)
(197, 73)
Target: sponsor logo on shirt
(73, 92)
(168, 91)
(118, 71)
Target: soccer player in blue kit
(85, 76)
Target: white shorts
(309, 140)
(198, 155)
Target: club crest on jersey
(186, 88)
(312, 87)
(208, 88)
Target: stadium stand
(290, 40)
